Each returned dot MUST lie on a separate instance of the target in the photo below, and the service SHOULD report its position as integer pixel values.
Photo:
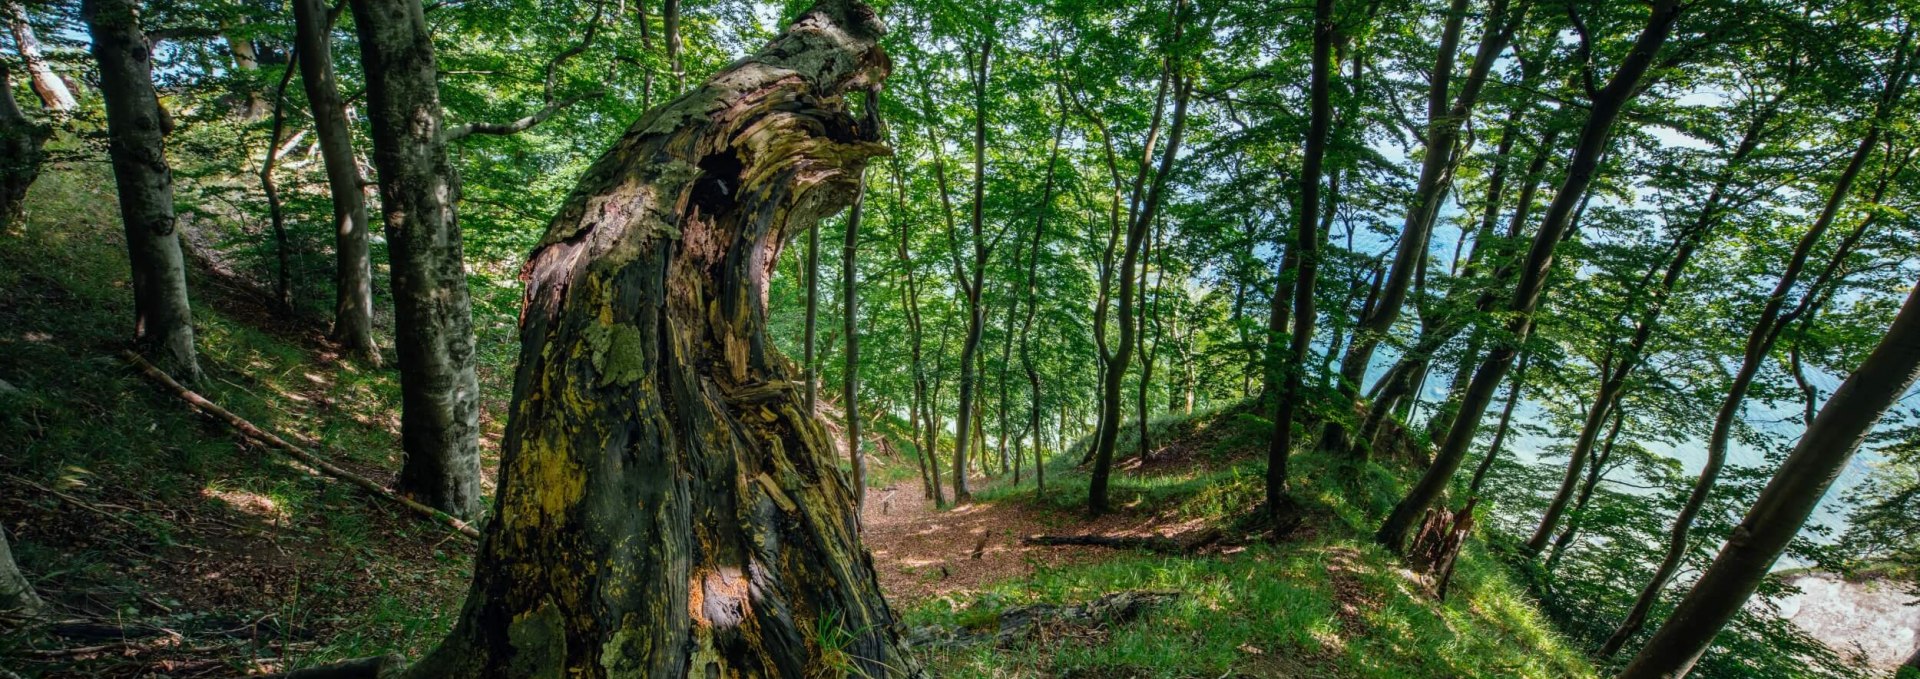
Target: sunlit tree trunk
(1606, 106)
(136, 132)
(353, 264)
(979, 62)
(433, 320)
(1788, 499)
(667, 508)
(55, 96)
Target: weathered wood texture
(667, 507)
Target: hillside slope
(171, 546)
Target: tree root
(263, 436)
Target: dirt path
(921, 553)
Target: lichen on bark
(666, 507)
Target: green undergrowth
(124, 504)
(1326, 603)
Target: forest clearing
(1202, 338)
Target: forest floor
(170, 546)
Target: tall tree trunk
(17, 598)
(670, 26)
(1614, 378)
(1280, 506)
(283, 275)
(920, 407)
(972, 281)
(1606, 106)
(1444, 124)
(55, 96)
(353, 264)
(1033, 304)
(850, 314)
(1142, 208)
(647, 381)
(433, 320)
(1786, 502)
(163, 322)
(21, 151)
(1759, 345)
(809, 366)
(1149, 312)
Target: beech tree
(353, 272)
(433, 317)
(136, 131)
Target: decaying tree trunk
(353, 272)
(163, 323)
(17, 598)
(432, 315)
(1437, 546)
(21, 142)
(666, 506)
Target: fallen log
(251, 431)
(1153, 543)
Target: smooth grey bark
(1606, 106)
(54, 94)
(163, 321)
(433, 323)
(353, 264)
(21, 152)
(17, 598)
(1788, 499)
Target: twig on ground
(256, 433)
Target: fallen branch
(253, 432)
(1154, 543)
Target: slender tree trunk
(21, 152)
(282, 280)
(1444, 124)
(433, 323)
(647, 381)
(55, 96)
(1149, 311)
(850, 301)
(1280, 506)
(353, 263)
(809, 367)
(927, 445)
(1758, 346)
(1033, 303)
(17, 598)
(971, 282)
(670, 26)
(1596, 471)
(1606, 106)
(1788, 499)
(163, 322)
(1615, 379)
(1500, 432)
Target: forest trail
(922, 553)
